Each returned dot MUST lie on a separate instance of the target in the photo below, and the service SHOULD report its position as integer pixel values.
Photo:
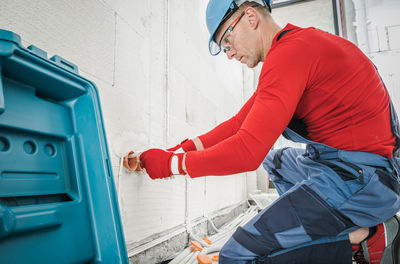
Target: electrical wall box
(57, 196)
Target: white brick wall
(157, 84)
(384, 41)
(375, 27)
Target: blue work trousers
(325, 193)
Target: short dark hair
(261, 8)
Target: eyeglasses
(224, 43)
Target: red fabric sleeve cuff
(188, 145)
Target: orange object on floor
(215, 258)
(204, 259)
(196, 246)
(208, 241)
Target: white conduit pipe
(234, 222)
(241, 216)
(219, 239)
(211, 223)
(193, 260)
(213, 249)
(191, 257)
(217, 244)
(179, 259)
(198, 239)
(187, 257)
(361, 24)
(223, 237)
(240, 219)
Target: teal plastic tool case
(57, 196)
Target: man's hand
(185, 146)
(161, 164)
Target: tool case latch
(39, 52)
(63, 63)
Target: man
(337, 196)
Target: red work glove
(161, 164)
(186, 145)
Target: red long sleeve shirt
(322, 79)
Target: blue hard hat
(218, 11)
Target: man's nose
(230, 53)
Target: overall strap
(283, 33)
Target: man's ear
(253, 17)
